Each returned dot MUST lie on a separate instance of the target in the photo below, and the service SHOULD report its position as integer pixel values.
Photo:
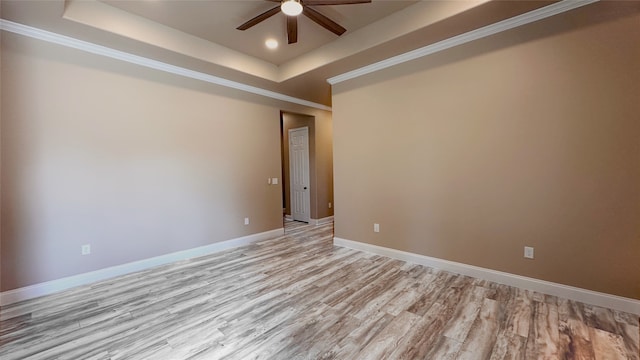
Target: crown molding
(100, 50)
(415, 17)
(504, 25)
(105, 17)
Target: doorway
(314, 205)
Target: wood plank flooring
(299, 297)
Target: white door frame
(300, 187)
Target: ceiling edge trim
(415, 17)
(92, 48)
(104, 17)
(504, 25)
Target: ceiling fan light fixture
(291, 7)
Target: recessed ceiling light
(271, 43)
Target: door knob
(305, 188)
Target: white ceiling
(216, 21)
(201, 35)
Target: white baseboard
(568, 292)
(53, 286)
(325, 220)
(288, 217)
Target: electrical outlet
(85, 249)
(329, 205)
(246, 221)
(376, 227)
(274, 181)
(528, 252)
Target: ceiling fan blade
(334, 2)
(292, 29)
(323, 21)
(260, 18)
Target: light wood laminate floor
(299, 297)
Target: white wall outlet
(528, 252)
(85, 249)
(246, 221)
(330, 205)
(274, 181)
(376, 227)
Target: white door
(299, 173)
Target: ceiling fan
(293, 8)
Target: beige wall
(530, 137)
(135, 162)
(320, 161)
(1, 41)
(324, 166)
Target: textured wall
(530, 137)
(135, 162)
(324, 166)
